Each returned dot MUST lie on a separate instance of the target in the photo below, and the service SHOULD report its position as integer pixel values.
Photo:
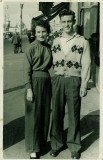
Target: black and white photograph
(51, 80)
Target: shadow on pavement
(90, 85)
(13, 132)
(89, 129)
(13, 89)
(90, 125)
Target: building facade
(87, 24)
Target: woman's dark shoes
(33, 157)
(75, 155)
(36, 156)
(54, 153)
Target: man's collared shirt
(65, 43)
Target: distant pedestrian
(38, 60)
(16, 42)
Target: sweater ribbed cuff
(84, 86)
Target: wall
(88, 20)
(98, 78)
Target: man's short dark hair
(66, 12)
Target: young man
(71, 62)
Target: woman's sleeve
(28, 69)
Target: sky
(12, 12)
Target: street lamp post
(5, 26)
(21, 6)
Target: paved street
(14, 112)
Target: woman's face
(41, 33)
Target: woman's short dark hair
(66, 12)
(40, 23)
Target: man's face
(67, 23)
(41, 33)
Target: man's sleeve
(28, 69)
(86, 65)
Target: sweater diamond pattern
(69, 64)
(59, 63)
(76, 65)
(73, 64)
(77, 49)
(56, 49)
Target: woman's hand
(29, 95)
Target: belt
(64, 75)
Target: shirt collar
(68, 39)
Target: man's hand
(29, 95)
(83, 92)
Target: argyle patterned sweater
(71, 57)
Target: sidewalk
(14, 111)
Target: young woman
(38, 61)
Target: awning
(49, 11)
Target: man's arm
(85, 72)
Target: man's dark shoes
(75, 155)
(54, 153)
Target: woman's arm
(28, 69)
(28, 74)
